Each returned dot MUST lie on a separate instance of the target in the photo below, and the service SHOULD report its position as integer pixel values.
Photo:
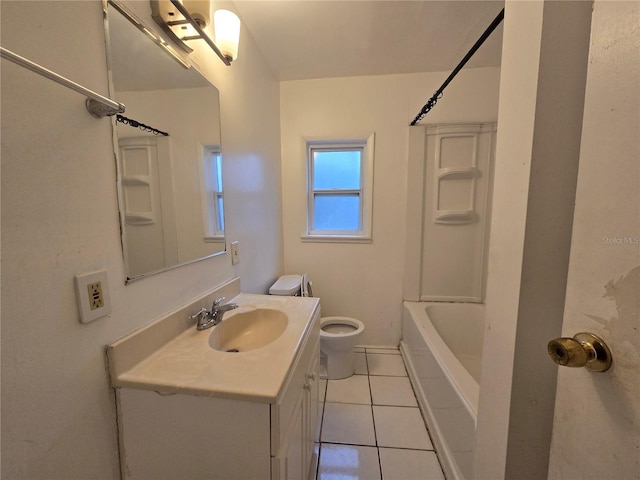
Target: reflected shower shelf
(458, 173)
(455, 217)
(139, 218)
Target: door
(596, 430)
(568, 132)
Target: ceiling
(303, 39)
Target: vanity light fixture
(226, 24)
(185, 20)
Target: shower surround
(449, 181)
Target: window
(339, 184)
(213, 198)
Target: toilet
(338, 335)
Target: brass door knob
(583, 350)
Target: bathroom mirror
(168, 151)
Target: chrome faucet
(207, 319)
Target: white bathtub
(442, 348)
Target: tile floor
(371, 426)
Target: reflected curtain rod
(438, 93)
(135, 124)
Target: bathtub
(442, 349)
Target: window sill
(335, 239)
(214, 239)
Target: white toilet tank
(292, 285)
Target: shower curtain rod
(438, 93)
(96, 104)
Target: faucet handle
(216, 302)
(200, 312)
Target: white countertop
(187, 364)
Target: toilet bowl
(338, 336)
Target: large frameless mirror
(168, 151)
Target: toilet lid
(338, 328)
(286, 285)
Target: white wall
(365, 280)
(59, 219)
(603, 290)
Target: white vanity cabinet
(296, 419)
(190, 436)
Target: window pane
(218, 160)
(212, 214)
(336, 169)
(220, 212)
(336, 212)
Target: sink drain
(233, 350)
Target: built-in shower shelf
(458, 173)
(451, 217)
(449, 180)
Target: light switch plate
(92, 291)
(235, 255)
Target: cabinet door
(175, 437)
(311, 409)
(290, 463)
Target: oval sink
(249, 330)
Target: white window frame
(364, 232)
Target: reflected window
(213, 193)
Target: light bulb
(227, 32)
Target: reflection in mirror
(170, 167)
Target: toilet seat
(338, 328)
(342, 326)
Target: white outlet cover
(82, 294)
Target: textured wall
(60, 218)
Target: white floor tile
(394, 391)
(409, 465)
(348, 462)
(401, 427)
(384, 350)
(361, 364)
(381, 364)
(354, 389)
(347, 423)
(348, 450)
